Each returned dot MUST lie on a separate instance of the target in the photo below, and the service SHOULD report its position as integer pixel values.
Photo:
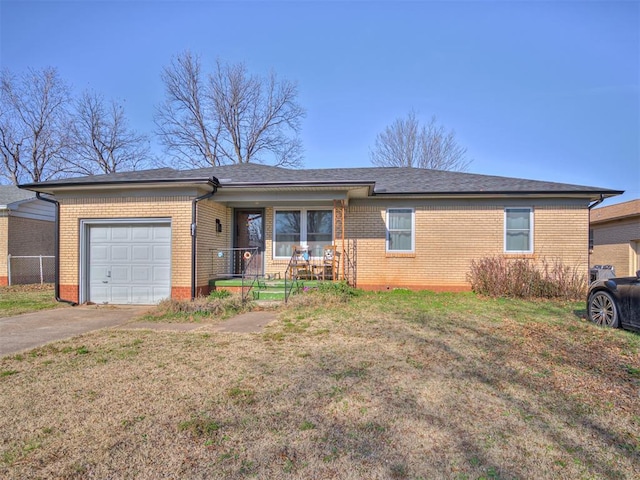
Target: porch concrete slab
(35, 329)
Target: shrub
(340, 289)
(229, 304)
(218, 294)
(521, 278)
(325, 294)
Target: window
(310, 228)
(400, 230)
(518, 230)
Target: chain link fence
(31, 269)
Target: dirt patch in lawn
(385, 386)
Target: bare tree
(34, 125)
(186, 127)
(407, 143)
(229, 117)
(102, 139)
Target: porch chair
(328, 269)
(300, 266)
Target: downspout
(194, 202)
(594, 204)
(56, 247)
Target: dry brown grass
(387, 386)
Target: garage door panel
(99, 234)
(161, 275)
(120, 295)
(141, 253)
(120, 274)
(140, 273)
(121, 253)
(162, 234)
(129, 263)
(99, 253)
(142, 234)
(141, 294)
(161, 253)
(98, 273)
(121, 233)
(100, 291)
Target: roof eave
(160, 182)
(346, 185)
(594, 195)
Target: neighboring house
(615, 237)
(142, 236)
(26, 227)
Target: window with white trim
(518, 230)
(308, 227)
(400, 230)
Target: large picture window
(518, 230)
(400, 232)
(311, 228)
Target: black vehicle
(615, 302)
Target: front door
(249, 235)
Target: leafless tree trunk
(231, 117)
(102, 139)
(34, 125)
(406, 143)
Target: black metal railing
(292, 274)
(250, 271)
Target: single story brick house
(26, 227)
(615, 237)
(142, 236)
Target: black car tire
(603, 310)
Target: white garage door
(129, 263)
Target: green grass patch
(19, 299)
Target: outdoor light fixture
(218, 225)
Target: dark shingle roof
(10, 194)
(385, 180)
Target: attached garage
(126, 261)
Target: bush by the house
(216, 305)
(522, 278)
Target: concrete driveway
(32, 330)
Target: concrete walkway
(251, 322)
(34, 329)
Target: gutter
(597, 202)
(194, 230)
(56, 241)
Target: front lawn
(387, 386)
(18, 299)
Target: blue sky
(538, 89)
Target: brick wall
(31, 237)
(177, 208)
(209, 241)
(449, 235)
(615, 243)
